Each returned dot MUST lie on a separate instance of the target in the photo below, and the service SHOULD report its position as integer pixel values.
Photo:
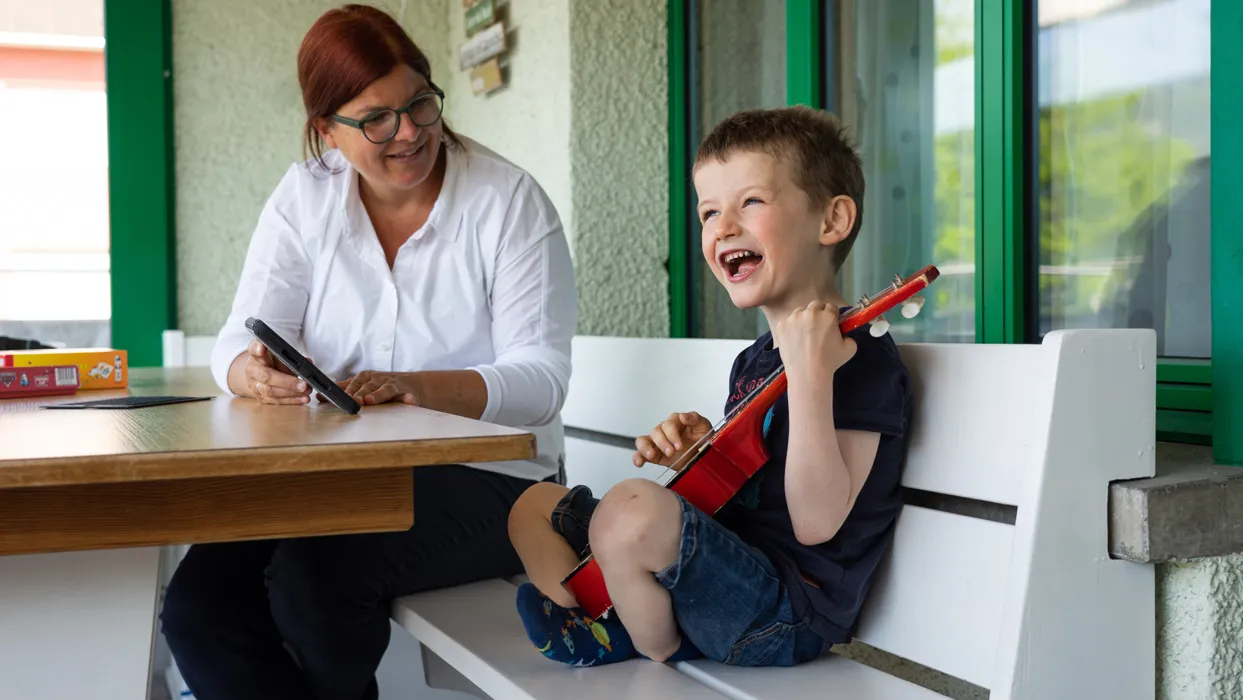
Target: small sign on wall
(480, 15)
(486, 77)
(486, 44)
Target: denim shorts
(727, 597)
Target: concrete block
(1190, 510)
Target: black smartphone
(301, 366)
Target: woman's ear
(839, 219)
(326, 132)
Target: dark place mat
(130, 402)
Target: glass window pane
(1123, 149)
(903, 77)
(739, 63)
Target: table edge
(248, 461)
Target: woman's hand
(371, 388)
(668, 440)
(266, 378)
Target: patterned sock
(568, 635)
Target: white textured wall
(238, 123)
(1200, 629)
(585, 103)
(620, 160)
(527, 120)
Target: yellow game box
(98, 368)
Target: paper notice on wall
(486, 77)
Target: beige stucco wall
(238, 122)
(584, 103)
(619, 156)
(528, 120)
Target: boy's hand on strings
(668, 440)
(811, 342)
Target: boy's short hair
(823, 159)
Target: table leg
(78, 625)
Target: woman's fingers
(268, 394)
(365, 389)
(384, 392)
(356, 383)
(277, 380)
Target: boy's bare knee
(625, 517)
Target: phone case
(301, 366)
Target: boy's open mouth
(740, 263)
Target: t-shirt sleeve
(735, 374)
(871, 391)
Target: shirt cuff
(492, 382)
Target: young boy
(781, 572)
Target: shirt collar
(441, 218)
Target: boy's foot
(568, 635)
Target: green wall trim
(1226, 242)
(138, 70)
(1182, 371)
(1186, 397)
(679, 173)
(1185, 422)
(1001, 252)
(804, 57)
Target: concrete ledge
(1191, 509)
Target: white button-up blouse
(486, 284)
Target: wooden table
(88, 496)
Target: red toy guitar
(716, 467)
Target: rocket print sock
(568, 635)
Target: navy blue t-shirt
(829, 581)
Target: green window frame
(138, 70)
(1198, 401)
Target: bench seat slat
(475, 628)
(830, 676)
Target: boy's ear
(839, 219)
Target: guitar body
(732, 454)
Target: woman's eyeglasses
(381, 126)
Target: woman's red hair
(346, 50)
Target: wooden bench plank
(475, 628)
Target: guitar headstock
(902, 291)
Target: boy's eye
(751, 200)
(706, 214)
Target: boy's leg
(548, 527)
(636, 533)
(731, 601)
(546, 556)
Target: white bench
(999, 574)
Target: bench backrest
(999, 573)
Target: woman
(412, 265)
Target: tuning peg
(878, 327)
(897, 281)
(911, 307)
